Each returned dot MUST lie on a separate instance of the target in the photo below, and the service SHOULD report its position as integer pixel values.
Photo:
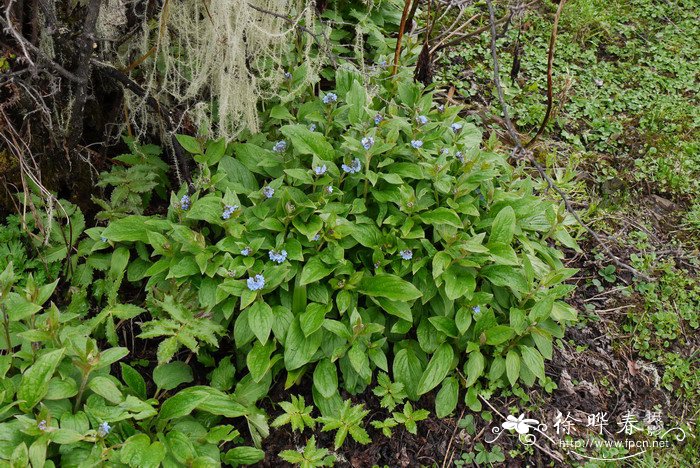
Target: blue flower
(316, 237)
(456, 127)
(441, 108)
(42, 425)
(445, 151)
(417, 143)
(421, 119)
(406, 254)
(320, 170)
(312, 127)
(278, 257)
(329, 190)
(378, 119)
(367, 142)
(268, 191)
(476, 310)
(329, 98)
(228, 211)
(185, 202)
(355, 166)
(103, 429)
(287, 76)
(280, 146)
(459, 156)
(247, 251)
(256, 283)
(103, 239)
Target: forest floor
(623, 143)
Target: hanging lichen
(215, 58)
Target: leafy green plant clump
(374, 235)
(363, 238)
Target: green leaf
(215, 150)
(299, 349)
(35, 380)
(133, 380)
(503, 227)
(260, 318)
(243, 456)
(356, 99)
(326, 378)
(396, 308)
(181, 404)
(104, 387)
(190, 144)
(442, 216)
(533, 360)
(438, 367)
(314, 270)
(390, 286)
(366, 234)
(307, 142)
(459, 282)
(512, 366)
(502, 275)
(446, 399)
(408, 370)
(171, 375)
(258, 359)
(207, 209)
(498, 334)
(129, 229)
(19, 308)
(313, 318)
(474, 367)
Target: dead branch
(402, 28)
(519, 152)
(550, 63)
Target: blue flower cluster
(354, 167)
(185, 202)
(320, 170)
(378, 119)
(417, 143)
(256, 283)
(268, 191)
(329, 98)
(42, 425)
(456, 127)
(247, 251)
(459, 156)
(312, 127)
(278, 257)
(316, 237)
(406, 254)
(228, 211)
(280, 146)
(329, 190)
(103, 429)
(367, 142)
(421, 119)
(476, 310)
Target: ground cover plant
(365, 276)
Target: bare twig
(402, 28)
(520, 151)
(550, 63)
